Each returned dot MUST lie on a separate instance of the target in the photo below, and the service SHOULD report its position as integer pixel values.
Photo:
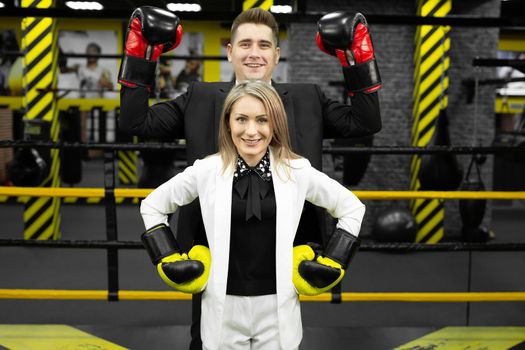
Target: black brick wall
(394, 47)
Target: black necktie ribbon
(253, 189)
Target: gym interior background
(483, 110)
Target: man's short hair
(94, 46)
(256, 16)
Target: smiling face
(253, 52)
(250, 129)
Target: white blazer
(205, 180)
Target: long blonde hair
(276, 114)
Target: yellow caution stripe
(39, 66)
(264, 4)
(127, 167)
(431, 65)
(51, 337)
(474, 338)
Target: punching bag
(158, 166)
(71, 158)
(15, 78)
(472, 211)
(440, 172)
(355, 165)
(394, 225)
(28, 168)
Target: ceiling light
(281, 9)
(84, 5)
(178, 7)
(2, 4)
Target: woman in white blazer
(251, 195)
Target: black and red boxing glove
(345, 35)
(151, 32)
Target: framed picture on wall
(89, 77)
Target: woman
(251, 195)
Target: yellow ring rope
(141, 193)
(52, 294)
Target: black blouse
(251, 269)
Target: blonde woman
(251, 195)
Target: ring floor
(165, 324)
(24, 337)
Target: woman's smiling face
(250, 129)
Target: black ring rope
(498, 62)
(365, 247)
(298, 17)
(328, 150)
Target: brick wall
(394, 45)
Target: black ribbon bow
(252, 189)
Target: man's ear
(277, 55)
(229, 51)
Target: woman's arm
(340, 202)
(317, 272)
(165, 199)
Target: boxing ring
(112, 195)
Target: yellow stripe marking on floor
(471, 338)
(51, 337)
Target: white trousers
(250, 323)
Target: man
(254, 53)
(93, 77)
(187, 75)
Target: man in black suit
(254, 53)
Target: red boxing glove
(346, 36)
(151, 32)
(362, 45)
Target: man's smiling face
(253, 52)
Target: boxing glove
(187, 273)
(28, 168)
(151, 32)
(346, 36)
(315, 273)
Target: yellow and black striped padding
(127, 167)
(39, 44)
(431, 62)
(264, 4)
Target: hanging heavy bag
(355, 165)
(440, 172)
(472, 211)
(158, 166)
(394, 225)
(71, 158)
(28, 168)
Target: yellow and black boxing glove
(315, 273)
(187, 273)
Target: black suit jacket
(195, 116)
